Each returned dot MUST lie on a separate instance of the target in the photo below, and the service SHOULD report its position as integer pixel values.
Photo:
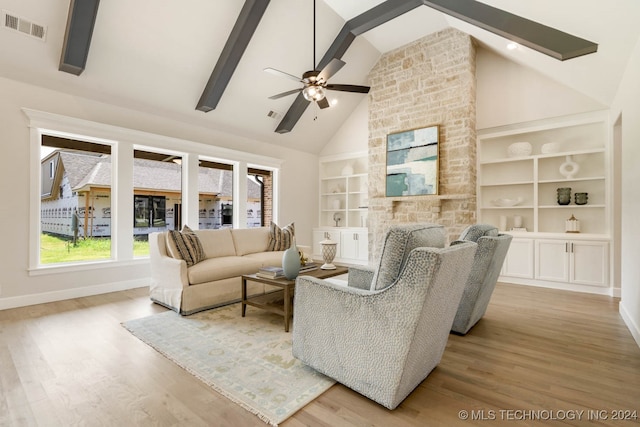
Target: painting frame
(412, 162)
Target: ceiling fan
(316, 82)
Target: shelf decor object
(581, 198)
(550, 148)
(564, 195)
(519, 149)
(572, 225)
(328, 254)
(412, 162)
(507, 202)
(569, 168)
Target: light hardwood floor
(537, 352)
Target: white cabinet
(352, 243)
(519, 259)
(344, 191)
(573, 261)
(355, 245)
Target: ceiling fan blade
(283, 94)
(349, 88)
(332, 67)
(283, 74)
(323, 103)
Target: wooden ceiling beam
(238, 40)
(544, 39)
(77, 37)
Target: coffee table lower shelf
(280, 301)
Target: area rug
(246, 359)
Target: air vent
(27, 27)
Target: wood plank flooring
(537, 353)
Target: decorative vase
(569, 168)
(581, 198)
(503, 223)
(329, 248)
(517, 221)
(564, 196)
(291, 261)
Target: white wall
(17, 286)
(353, 135)
(626, 105)
(508, 93)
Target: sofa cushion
(217, 243)
(267, 258)
(225, 267)
(280, 238)
(187, 245)
(250, 240)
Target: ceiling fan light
(313, 93)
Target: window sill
(85, 266)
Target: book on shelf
(270, 272)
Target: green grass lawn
(56, 250)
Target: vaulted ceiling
(157, 56)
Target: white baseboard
(628, 320)
(65, 294)
(598, 290)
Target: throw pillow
(280, 238)
(188, 245)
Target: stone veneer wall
(428, 82)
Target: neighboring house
(81, 182)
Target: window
(215, 194)
(259, 197)
(75, 202)
(96, 185)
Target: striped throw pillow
(280, 238)
(188, 245)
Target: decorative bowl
(507, 202)
(550, 147)
(519, 149)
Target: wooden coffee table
(280, 301)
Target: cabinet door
(552, 260)
(363, 245)
(519, 260)
(589, 264)
(349, 245)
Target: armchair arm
(168, 275)
(360, 277)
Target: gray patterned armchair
(492, 250)
(383, 342)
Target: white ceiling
(157, 55)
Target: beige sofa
(216, 281)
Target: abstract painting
(412, 162)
